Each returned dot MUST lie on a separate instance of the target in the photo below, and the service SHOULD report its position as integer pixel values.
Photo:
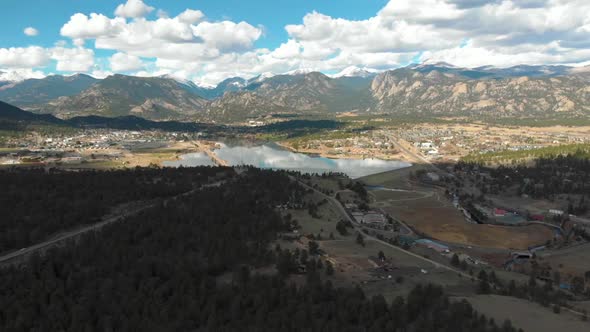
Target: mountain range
(436, 89)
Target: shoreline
(336, 156)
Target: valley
(282, 166)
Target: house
(374, 217)
(426, 145)
(499, 212)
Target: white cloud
(30, 31)
(288, 50)
(227, 35)
(81, 26)
(17, 75)
(125, 62)
(73, 59)
(191, 16)
(23, 57)
(100, 74)
(134, 9)
(189, 46)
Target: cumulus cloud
(23, 57)
(462, 32)
(17, 75)
(100, 74)
(227, 35)
(30, 31)
(73, 59)
(190, 16)
(81, 26)
(133, 8)
(500, 33)
(125, 62)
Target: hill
(31, 92)
(155, 98)
(13, 118)
(449, 93)
(304, 94)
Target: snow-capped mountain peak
(300, 71)
(353, 71)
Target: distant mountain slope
(14, 118)
(493, 72)
(153, 98)
(444, 93)
(300, 93)
(436, 89)
(38, 91)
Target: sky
(208, 41)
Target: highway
(71, 234)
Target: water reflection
(191, 159)
(269, 156)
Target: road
(346, 216)
(416, 156)
(71, 234)
(214, 157)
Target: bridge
(204, 148)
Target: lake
(273, 156)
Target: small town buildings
(499, 212)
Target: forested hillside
(191, 265)
(37, 204)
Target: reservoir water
(272, 156)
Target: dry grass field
(435, 216)
(574, 260)
(526, 315)
(443, 222)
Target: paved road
(415, 155)
(345, 214)
(68, 235)
(214, 157)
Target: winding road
(345, 214)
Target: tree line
(192, 264)
(36, 203)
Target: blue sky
(49, 15)
(206, 41)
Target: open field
(388, 195)
(526, 315)
(573, 260)
(539, 206)
(443, 222)
(394, 179)
(353, 265)
(324, 225)
(434, 216)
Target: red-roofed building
(499, 212)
